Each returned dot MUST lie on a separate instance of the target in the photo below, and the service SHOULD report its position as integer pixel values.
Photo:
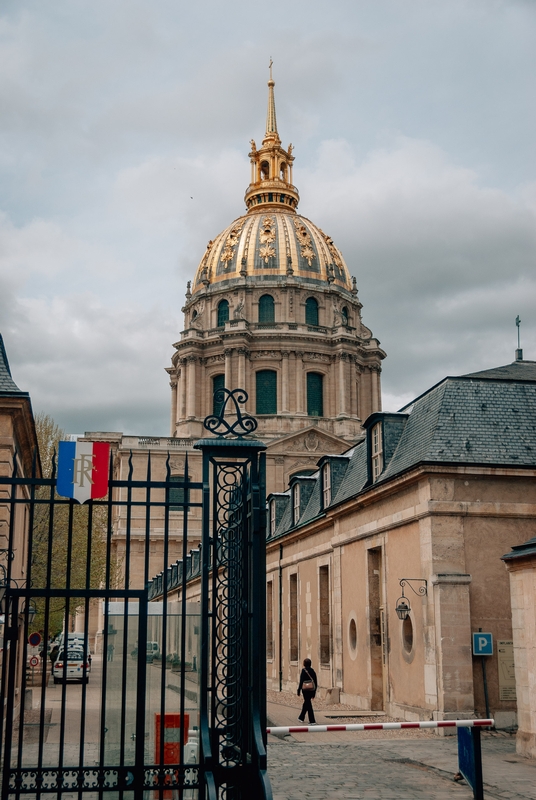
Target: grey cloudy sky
(413, 123)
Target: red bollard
(172, 736)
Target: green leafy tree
(69, 541)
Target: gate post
(233, 614)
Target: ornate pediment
(309, 442)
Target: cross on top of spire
(271, 122)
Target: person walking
(307, 687)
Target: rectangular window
(296, 504)
(176, 496)
(266, 391)
(377, 451)
(325, 632)
(326, 485)
(315, 400)
(272, 518)
(218, 382)
(293, 613)
(269, 620)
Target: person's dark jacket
(306, 675)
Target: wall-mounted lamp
(402, 604)
(31, 613)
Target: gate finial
(216, 423)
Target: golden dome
(271, 239)
(271, 242)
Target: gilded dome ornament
(305, 242)
(271, 234)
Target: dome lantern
(271, 167)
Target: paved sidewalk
(352, 766)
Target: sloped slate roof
(356, 474)
(518, 371)
(314, 506)
(7, 384)
(471, 422)
(485, 418)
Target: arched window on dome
(315, 394)
(266, 308)
(311, 311)
(266, 391)
(344, 315)
(218, 382)
(265, 171)
(283, 171)
(223, 313)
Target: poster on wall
(507, 677)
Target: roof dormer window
(376, 451)
(326, 485)
(295, 503)
(272, 518)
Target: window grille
(315, 400)
(266, 308)
(311, 311)
(266, 392)
(176, 496)
(218, 382)
(223, 313)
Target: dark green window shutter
(176, 495)
(223, 313)
(315, 400)
(266, 308)
(266, 392)
(218, 382)
(311, 311)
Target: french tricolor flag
(83, 470)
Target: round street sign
(34, 639)
(34, 661)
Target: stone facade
(521, 564)
(450, 493)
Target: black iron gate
(140, 686)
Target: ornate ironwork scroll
(229, 402)
(233, 740)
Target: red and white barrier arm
(386, 726)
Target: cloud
(443, 262)
(92, 366)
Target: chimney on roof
(519, 351)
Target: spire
(271, 122)
(271, 167)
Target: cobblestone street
(372, 769)
(403, 769)
(383, 765)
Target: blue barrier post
(470, 759)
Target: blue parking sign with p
(482, 644)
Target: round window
(407, 634)
(352, 632)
